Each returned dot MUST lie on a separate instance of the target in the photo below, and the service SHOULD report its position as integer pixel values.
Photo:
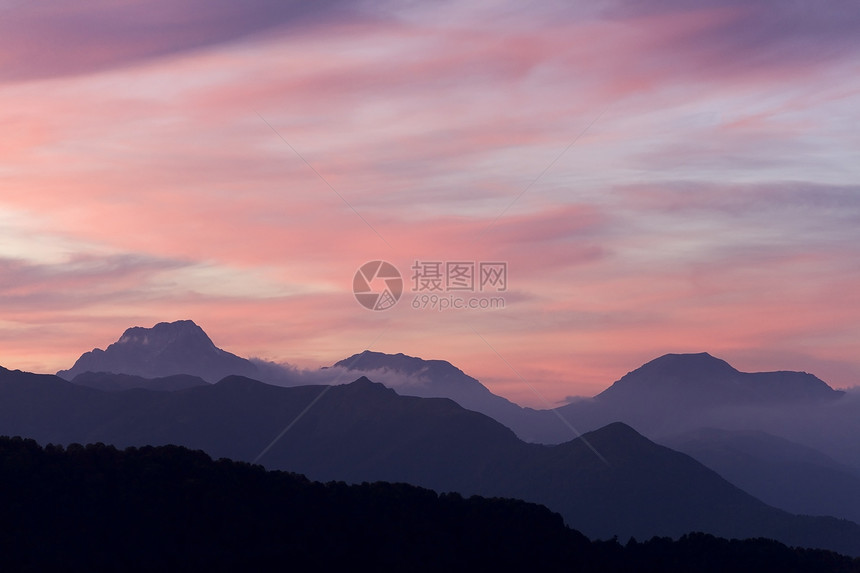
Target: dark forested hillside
(96, 508)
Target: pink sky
(681, 178)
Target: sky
(670, 176)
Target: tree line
(98, 508)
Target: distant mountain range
(668, 397)
(731, 421)
(612, 481)
(673, 394)
(780, 472)
(411, 376)
(118, 382)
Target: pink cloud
(56, 39)
(662, 229)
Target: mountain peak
(704, 379)
(413, 376)
(166, 349)
(700, 363)
(364, 384)
(616, 429)
(165, 333)
(371, 360)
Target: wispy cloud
(712, 206)
(51, 39)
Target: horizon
(668, 178)
(537, 402)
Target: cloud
(758, 33)
(54, 38)
(291, 375)
(711, 205)
(78, 282)
(724, 222)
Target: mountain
(700, 380)
(166, 349)
(780, 472)
(677, 393)
(681, 393)
(364, 432)
(411, 376)
(642, 480)
(671, 394)
(118, 382)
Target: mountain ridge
(670, 395)
(365, 432)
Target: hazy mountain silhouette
(681, 392)
(781, 473)
(671, 394)
(116, 382)
(166, 349)
(365, 432)
(411, 376)
(643, 480)
(700, 380)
